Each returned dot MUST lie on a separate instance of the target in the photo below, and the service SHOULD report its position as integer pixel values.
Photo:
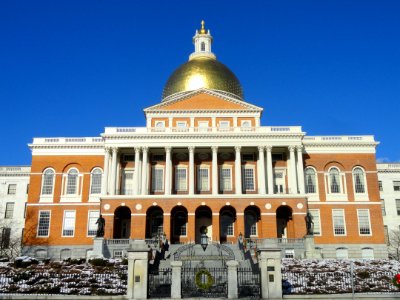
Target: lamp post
(204, 241)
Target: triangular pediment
(202, 100)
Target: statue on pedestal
(101, 222)
(309, 223)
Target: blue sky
(70, 68)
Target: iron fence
(78, 283)
(159, 283)
(249, 283)
(204, 282)
(337, 282)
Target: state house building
(203, 161)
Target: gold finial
(202, 30)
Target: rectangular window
(248, 179)
(181, 126)
(203, 126)
(181, 179)
(223, 125)
(9, 210)
(383, 207)
(316, 220)
(364, 225)
(289, 253)
(44, 223)
(92, 226)
(253, 229)
(117, 253)
(12, 189)
(396, 186)
(225, 177)
(69, 223)
(127, 182)
(398, 206)
(380, 186)
(203, 180)
(5, 238)
(157, 181)
(339, 226)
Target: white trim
(369, 222)
(153, 178)
(47, 197)
(248, 167)
(360, 196)
(203, 167)
(62, 204)
(344, 222)
(221, 183)
(134, 214)
(181, 167)
(345, 203)
(37, 228)
(88, 222)
(91, 181)
(63, 224)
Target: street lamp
(204, 241)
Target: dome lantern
(202, 41)
(202, 71)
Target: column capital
(191, 149)
(145, 149)
(214, 148)
(115, 149)
(299, 148)
(107, 149)
(137, 149)
(261, 148)
(268, 148)
(291, 148)
(168, 149)
(238, 148)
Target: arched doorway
(284, 222)
(227, 220)
(154, 222)
(203, 218)
(122, 223)
(251, 217)
(179, 218)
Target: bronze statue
(309, 223)
(101, 222)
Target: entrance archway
(284, 222)
(154, 222)
(179, 219)
(122, 223)
(203, 218)
(227, 220)
(251, 217)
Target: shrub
(98, 262)
(363, 274)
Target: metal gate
(204, 282)
(249, 283)
(159, 283)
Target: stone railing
(79, 140)
(330, 139)
(184, 130)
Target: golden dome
(202, 72)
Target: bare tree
(394, 244)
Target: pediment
(204, 100)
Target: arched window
(95, 179)
(342, 253)
(48, 182)
(203, 46)
(72, 182)
(334, 181)
(367, 253)
(310, 179)
(359, 180)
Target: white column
(113, 171)
(191, 170)
(214, 150)
(238, 171)
(300, 170)
(292, 174)
(104, 180)
(168, 170)
(270, 174)
(137, 170)
(261, 168)
(145, 170)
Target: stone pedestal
(310, 247)
(271, 275)
(232, 279)
(138, 262)
(176, 279)
(98, 247)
